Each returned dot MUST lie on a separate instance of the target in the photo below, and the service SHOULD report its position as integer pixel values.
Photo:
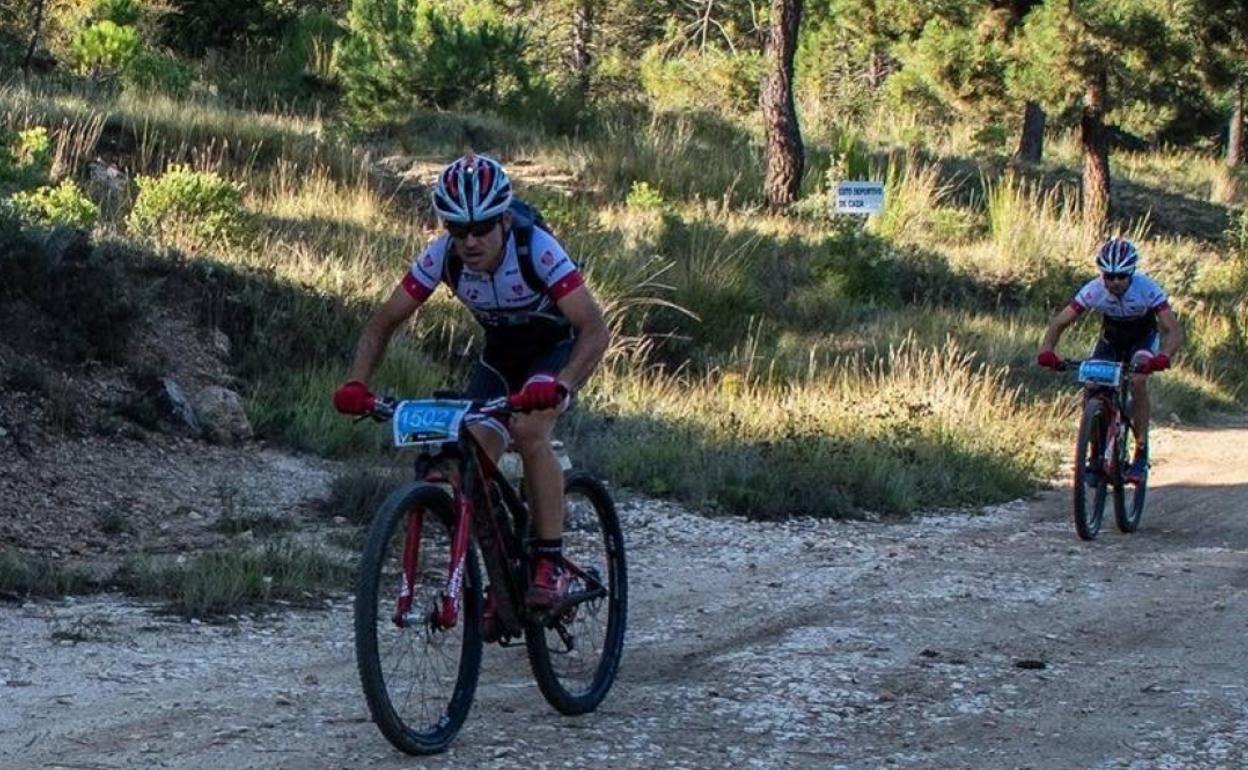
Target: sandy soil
(992, 639)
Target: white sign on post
(859, 197)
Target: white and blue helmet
(1117, 255)
(472, 189)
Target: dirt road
(986, 640)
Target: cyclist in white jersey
(1131, 304)
(544, 336)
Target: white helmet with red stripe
(472, 189)
(1117, 255)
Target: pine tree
(785, 154)
(1221, 28)
(1093, 53)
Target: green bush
(643, 197)
(63, 204)
(105, 48)
(714, 81)
(25, 157)
(398, 54)
(149, 71)
(190, 210)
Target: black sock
(548, 549)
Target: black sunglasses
(477, 229)
(1115, 276)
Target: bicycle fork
(445, 613)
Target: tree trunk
(1226, 184)
(1096, 201)
(785, 154)
(1031, 143)
(1235, 136)
(579, 56)
(34, 35)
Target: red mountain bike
(419, 595)
(1101, 450)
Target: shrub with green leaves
(643, 197)
(25, 157)
(190, 210)
(105, 47)
(714, 80)
(63, 204)
(399, 54)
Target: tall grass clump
(1188, 172)
(23, 575)
(913, 191)
(683, 156)
(912, 429)
(237, 580)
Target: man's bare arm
(592, 336)
(376, 334)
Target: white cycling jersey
(1129, 318)
(502, 298)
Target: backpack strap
(524, 255)
(452, 267)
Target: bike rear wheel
(576, 653)
(418, 678)
(1128, 497)
(1090, 472)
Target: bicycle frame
(486, 503)
(470, 473)
(1117, 408)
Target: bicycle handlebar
(383, 408)
(1073, 363)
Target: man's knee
(532, 431)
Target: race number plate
(1107, 373)
(428, 422)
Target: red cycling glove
(1157, 363)
(1048, 359)
(354, 398)
(539, 393)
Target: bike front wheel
(575, 652)
(419, 676)
(1090, 471)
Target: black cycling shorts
(1123, 351)
(501, 371)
